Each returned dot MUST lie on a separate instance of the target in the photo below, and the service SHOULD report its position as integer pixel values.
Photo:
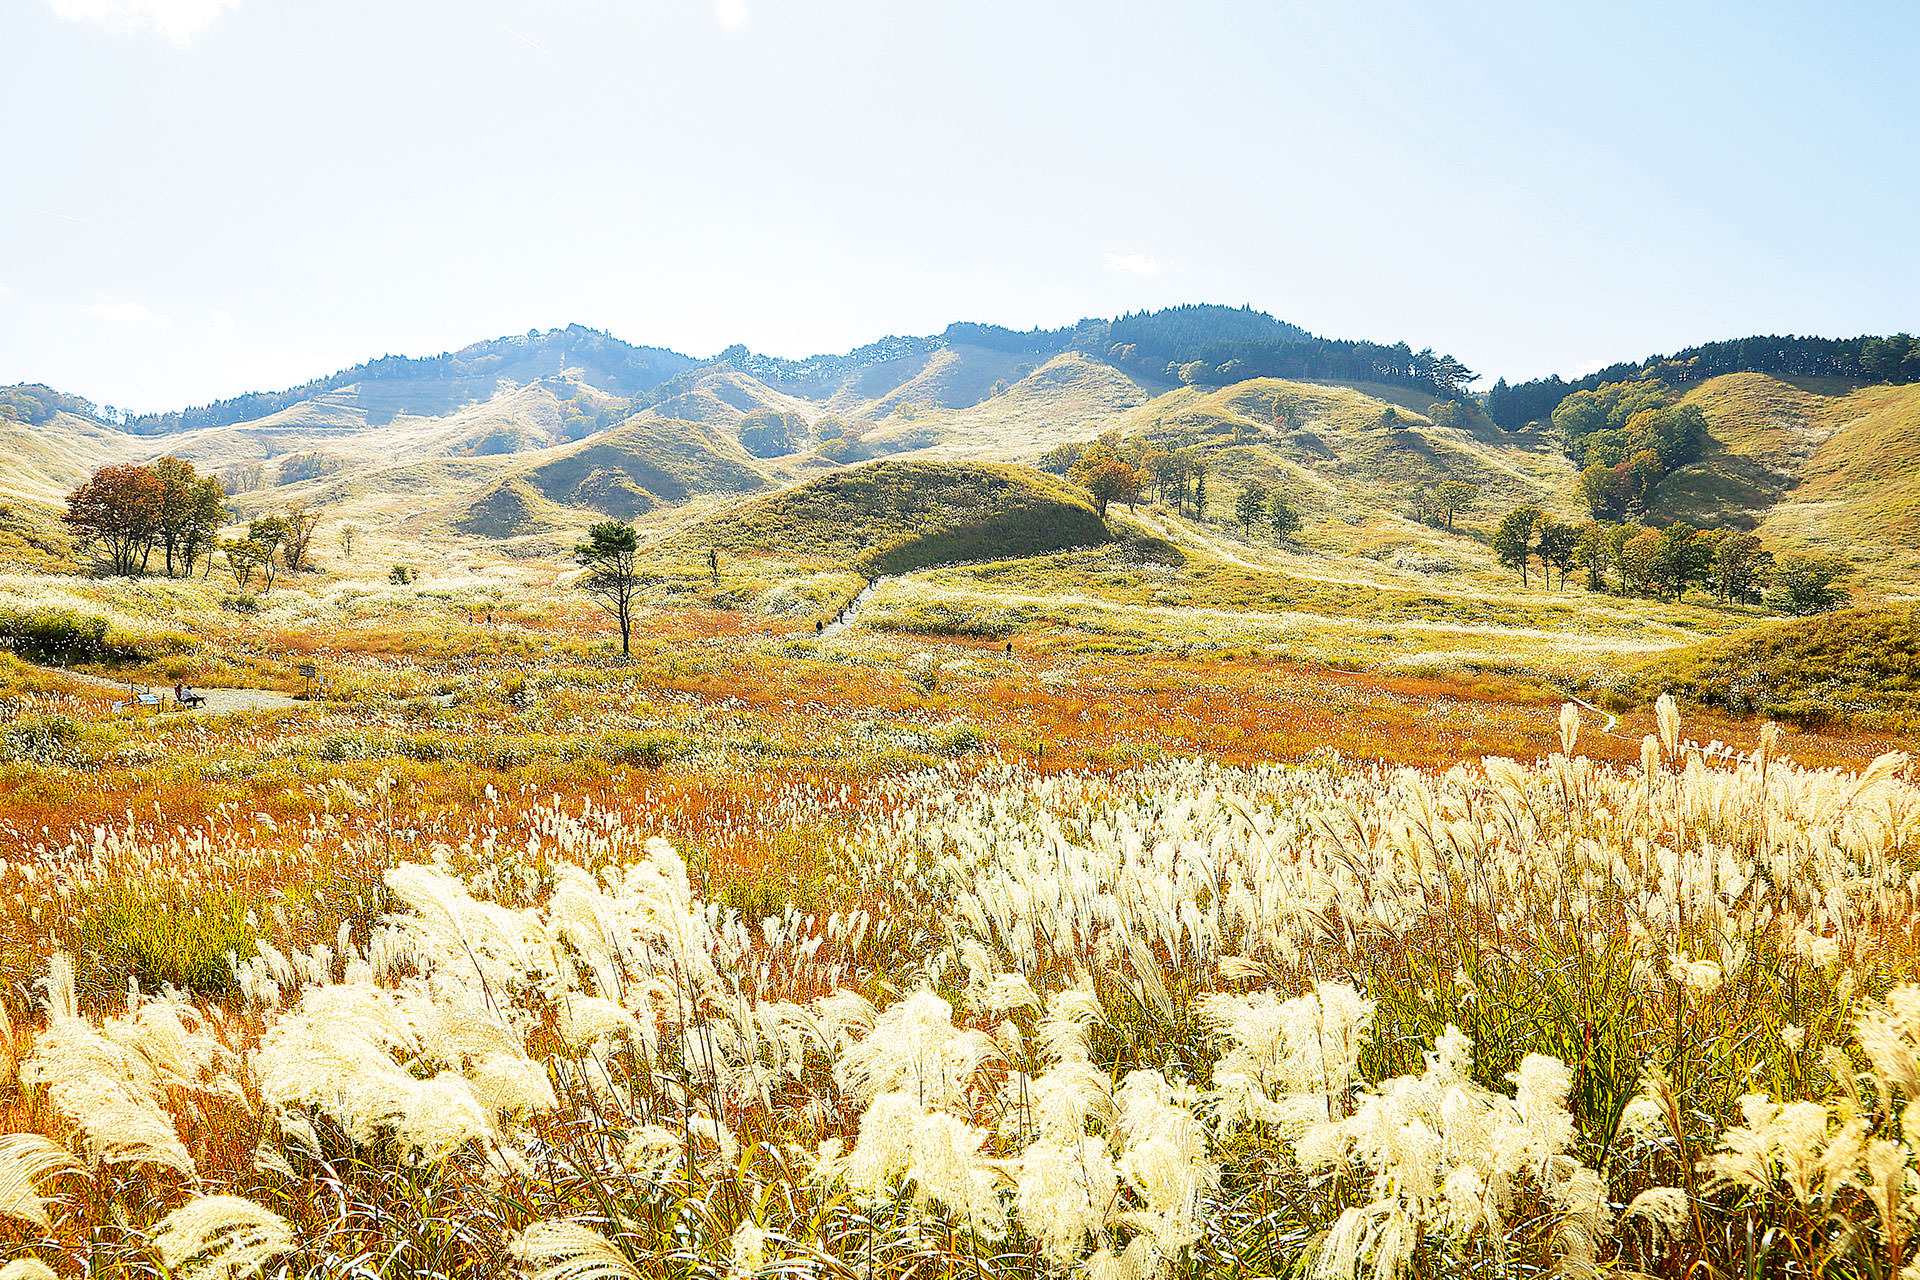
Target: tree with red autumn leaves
(119, 509)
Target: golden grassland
(429, 700)
(1179, 1020)
(958, 961)
(1821, 462)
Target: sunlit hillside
(1822, 462)
(889, 859)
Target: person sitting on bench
(186, 697)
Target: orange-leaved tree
(120, 510)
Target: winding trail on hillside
(851, 613)
(217, 700)
(1613, 720)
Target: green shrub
(162, 939)
(342, 746)
(642, 750)
(55, 635)
(956, 739)
(240, 604)
(423, 747)
(38, 739)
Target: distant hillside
(1863, 480)
(508, 508)
(1894, 359)
(722, 397)
(1819, 461)
(1763, 432)
(1341, 451)
(889, 517)
(432, 386)
(1200, 344)
(648, 462)
(44, 457)
(1857, 666)
(531, 432)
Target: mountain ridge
(539, 432)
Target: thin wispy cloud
(731, 13)
(131, 315)
(178, 20)
(1133, 264)
(528, 41)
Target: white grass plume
(221, 1238)
(107, 1092)
(567, 1250)
(26, 1161)
(28, 1269)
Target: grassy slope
(508, 509)
(887, 517)
(1857, 666)
(1862, 484)
(956, 377)
(723, 399)
(1825, 462)
(642, 464)
(1067, 398)
(1764, 430)
(1339, 463)
(32, 537)
(43, 462)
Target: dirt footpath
(217, 700)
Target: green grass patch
(1857, 667)
(161, 939)
(890, 517)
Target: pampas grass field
(1184, 1019)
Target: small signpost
(307, 672)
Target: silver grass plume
(221, 1238)
(107, 1092)
(27, 1160)
(28, 1269)
(565, 1250)
(1667, 716)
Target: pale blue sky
(205, 197)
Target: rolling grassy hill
(43, 459)
(1822, 462)
(1338, 460)
(508, 508)
(1863, 480)
(1764, 430)
(888, 517)
(540, 432)
(722, 398)
(646, 463)
(977, 392)
(1857, 666)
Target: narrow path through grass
(217, 700)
